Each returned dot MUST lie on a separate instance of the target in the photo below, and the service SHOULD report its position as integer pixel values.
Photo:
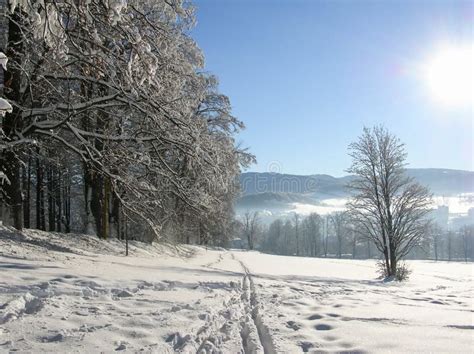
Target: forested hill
(440, 181)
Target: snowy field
(69, 293)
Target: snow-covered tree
(251, 225)
(388, 207)
(117, 87)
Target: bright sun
(449, 76)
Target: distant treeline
(333, 236)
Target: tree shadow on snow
(22, 266)
(15, 236)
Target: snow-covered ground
(70, 293)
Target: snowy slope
(69, 293)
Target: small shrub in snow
(402, 273)
(381, 269)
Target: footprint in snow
(437, 302)
(203, 316)
(333, 315)
(330, 338)
(323, 327)
(124, 293)
(306, 346)
(315, 317)
(121, 347)
(293, 325)
(53, 338)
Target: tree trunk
(27, 187)
(465, 246)
(449, 246)
(339, 246)
(200, 233)
(67, 203)
(105, 209)
(393, 264)
(40, 217)
(297, 241)
(10, 166)
(3, 47)
(13, 195)
(387, 261)
(354, 247)
(250, 241)
(326, 239)
(92, 195)
(51, 203)
(126, 237)
(57, 198)
(115, 220)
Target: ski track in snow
(69, 293)
(253, 311)
(325, 313)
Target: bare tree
(449, 237)
(354, 240)
(273, 242)
(436, 233)
(251, 225)
(339, 223)
(326, 235)
(313, 225)
(288, 231)
(467, 234)
(389, 207)
(296, 218)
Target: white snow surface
(74, 293)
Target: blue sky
(306, 76)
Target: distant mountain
(444, 181)
(254, 182)
(274, 190)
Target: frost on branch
(115, 9)
(44, 22)
(18, 3)
(148, 131)
(3, 60)
(55, 34)
(5, 107)
(4, 179)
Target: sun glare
(449, 76)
